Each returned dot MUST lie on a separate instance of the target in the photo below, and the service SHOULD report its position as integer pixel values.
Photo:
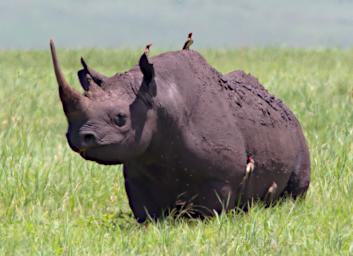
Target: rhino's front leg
(147, 197)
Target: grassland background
(54, 202)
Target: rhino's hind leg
(299, 180)
(298, 184)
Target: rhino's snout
(84, 140)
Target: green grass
(52, 202)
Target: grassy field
(52, 202)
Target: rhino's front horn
(72, 100)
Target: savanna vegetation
(52, 202)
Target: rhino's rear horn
(72, 100)
(88, 76)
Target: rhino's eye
(120, 120)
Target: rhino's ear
(85, 79)
(89, 76)
(146, 68)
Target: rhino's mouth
(100, 154)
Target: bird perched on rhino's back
(189, 41)
(182, 131)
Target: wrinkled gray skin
(183, 134)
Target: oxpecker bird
(188, 42)
(270, 194)
(147, 49)
(250, 165)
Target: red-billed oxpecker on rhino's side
(184, 132)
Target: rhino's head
(112, 122)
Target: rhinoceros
(183, 132)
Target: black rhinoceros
(183, 132)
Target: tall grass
(52, 202)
